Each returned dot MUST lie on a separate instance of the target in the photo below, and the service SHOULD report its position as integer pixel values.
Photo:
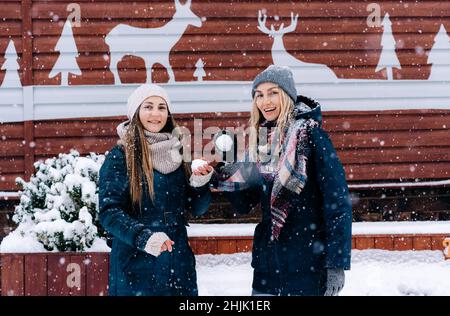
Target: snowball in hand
(196, 163)
(224, 143)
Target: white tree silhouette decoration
(66, 62)
(199, 72)
(388, 59)
(441, 44)
(12, 78)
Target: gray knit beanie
(280, 75)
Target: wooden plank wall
(375, 147)
(227, 28)
(400, 242)
(332, 33)
(55, 274)
(386, 146)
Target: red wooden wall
(50, 274)
(334, 33)
(385, 146)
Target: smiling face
(268, 101)
(153, 114)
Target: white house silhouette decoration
(12, 78)
(141, 42)
(67, 60)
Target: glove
(242, 171)
(225, 171)
(335, 281)
(155, 243)
(199, 181)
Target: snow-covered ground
(359, 228)
(374, 272)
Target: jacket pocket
(306, 254)
(124, 255)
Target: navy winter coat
(132, 270)
(317, 232)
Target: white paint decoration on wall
(303, 72)
(334, 94)
(129, 40)
(388, 59)
(67, 60)
(199, 71)
(73, 279)
(313, 72)
(441, 44)
(11, 78)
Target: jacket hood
(307, 108)
(122, 129)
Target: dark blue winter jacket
(317, 232)
(132, 270)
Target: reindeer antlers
(262, 23)
(282, 30)
(187, 3)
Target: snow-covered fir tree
(59, 205)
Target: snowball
(196, 163)
(224, 143)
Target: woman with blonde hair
(302, 245)
(145, 191)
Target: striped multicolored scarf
(289, 175)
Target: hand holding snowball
(200, 167)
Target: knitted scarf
(291, 175)
(164, 149)
(288, 171)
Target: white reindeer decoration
(303, 72)
(129, 40)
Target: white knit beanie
(143, 92)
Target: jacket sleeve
(114, 200)
(244, 201)
(336, 204)
(245, 196)
(198, 199)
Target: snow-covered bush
(59, 205)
